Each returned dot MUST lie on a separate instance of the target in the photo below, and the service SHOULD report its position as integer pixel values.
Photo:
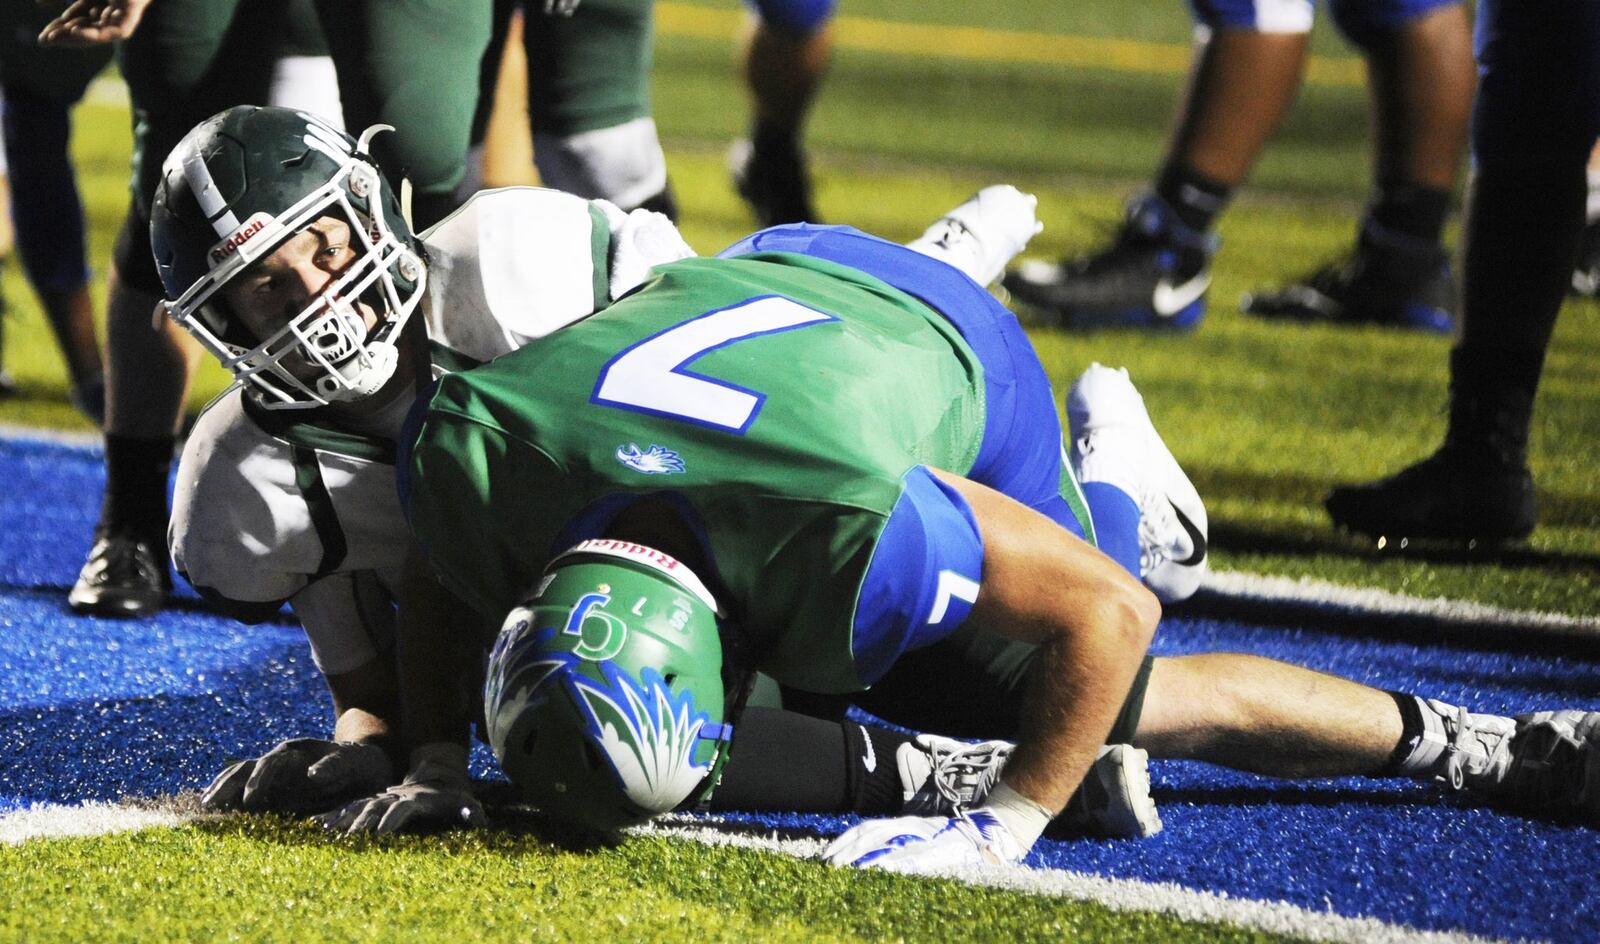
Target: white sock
(1024, 818)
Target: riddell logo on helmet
(629, 549)
(252, 227)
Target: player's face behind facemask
(313, 311)
(604, 695)
(284, 252)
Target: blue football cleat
(1154, 275)
(1388, 280)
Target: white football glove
(927, 844)
(302, 775)
(433, 796)
(981, 236)
(639, 240)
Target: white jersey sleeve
(516, 264)
(258, 518)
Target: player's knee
(1137, 613)
(623, 163)
(1365, 22)
(796, 17)
(1264, 16)
(1120, 611)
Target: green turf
(265, 879)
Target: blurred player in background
(783, 56)
(1247, 69)
(588, 99)
(40, 87)
(412, 64)
(1536, 121)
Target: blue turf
(99, 710)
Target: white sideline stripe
(1116, 894)
(53, 436)
(50, 820)
(1459, 612)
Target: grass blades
(270, 879)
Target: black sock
(1413, 210)
(786, 761)
(1519, 245)
(1411, 725)
(136, 486)
(870, 766)
(1195, 198)
(769, 138)
(1491, 402)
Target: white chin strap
(364, 374)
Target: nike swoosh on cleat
(1169, 299)
(869, 759)
(1199, 540)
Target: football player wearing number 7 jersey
(272, 225)
(819, 456)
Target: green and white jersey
(281, 505)
(779, 400)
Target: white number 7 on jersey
(650, 377)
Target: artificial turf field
(1070, 104)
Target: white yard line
(1460, 613)
(43, 821)
(50, 820)
(58, 437)
(1114, 893)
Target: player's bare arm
(1092, 619)
(440, 639)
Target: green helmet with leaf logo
(233, 190)
(604, 696)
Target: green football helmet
(604, 695)
(234, 189)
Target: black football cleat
(125, 577)
(1449, 496)
(1154, 276)
(1380, 283)
(773, 180)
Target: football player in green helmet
(285, 253)
(848, 442)
(252, 182)
(412, 64)
(605, 719)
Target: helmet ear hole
(530, 741)
(671, 679)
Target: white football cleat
(941, 776)
(1113, 441)
(1543, 762)
(980, 237)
